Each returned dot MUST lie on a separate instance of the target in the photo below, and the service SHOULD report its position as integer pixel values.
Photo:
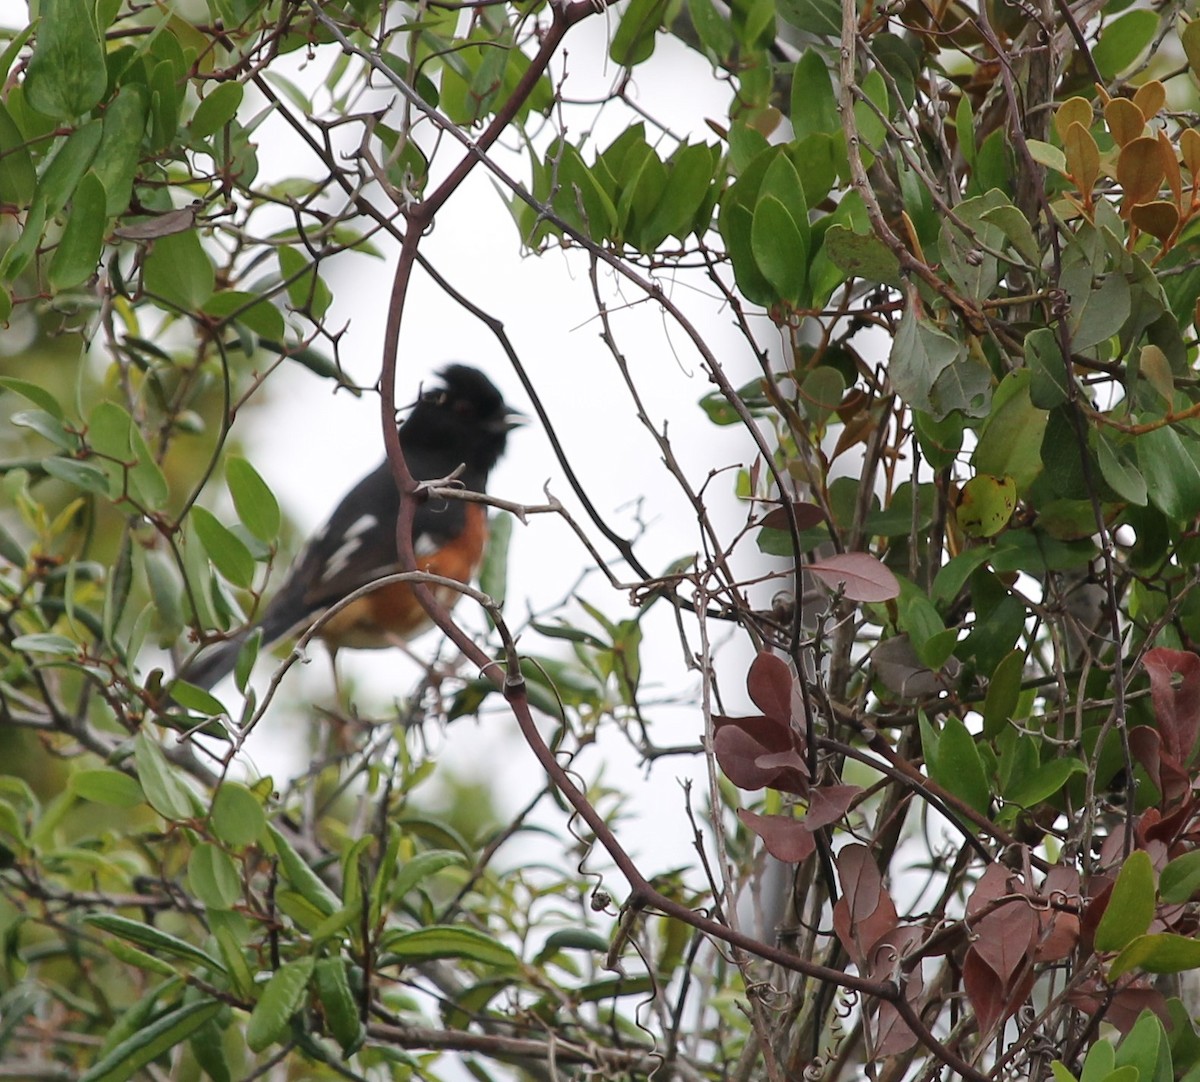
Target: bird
(461, 423)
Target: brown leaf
(1125, 121)
(807, 516)
(1189, 146)
(1083, 157)
(1175, 693)
(786, 839)
(859, 575)
(1150, 98)
(162, 225)
(828, 803)
(865, 913)
(1139, 172)
(1158, 218)
(1072, 111)
(984, 991)
(740, 746)
(1170, 160)
(770, 685)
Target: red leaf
(829, 803)
(1059, 930)
(807, 516)
(1175, 692)
(738, 754)
(1003, 936)
(786, 838)
(860, 576)
(865, 913)
(1126, 1006)
(770, 685)
(984, 991)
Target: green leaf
(920, 353)
(216, 110)
(238, 818)
(1130, 906)
(257, 313)
(1171, 473)
(1180, 879)
(297, 872)
(338, 1004)
(1120, 474)
(305, 287)
(822, 17)
(36, 393)
(179, 271)
(228, 552)
(213, 877)
(152, 1041)
(18, 179)
(83, 475)
(165, 793)
(79, 248)
(104, 785)
(1146, 1049)
(66, 74)
(46, 642)
(1042, 783)
(255, 502)
(1123, 40)
(449, 941)
(199, 699)
(712, 27)
(68, 166)
(1004, 689)
(862, 255)
(120, 148)
(1164, 952)
(280, 999)
(1010, 442)
(986, 504)
(415, 871)
(813, 103)
(152, 939)
(959, 768)
(779, 248)
(1043, 357)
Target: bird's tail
(282, 616)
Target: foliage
(960, 836)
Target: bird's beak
(512, 419)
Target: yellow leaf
(1124, 120)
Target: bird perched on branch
(461, 424)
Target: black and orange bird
(460, 424)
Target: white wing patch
(341, 556)
(424, 545)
